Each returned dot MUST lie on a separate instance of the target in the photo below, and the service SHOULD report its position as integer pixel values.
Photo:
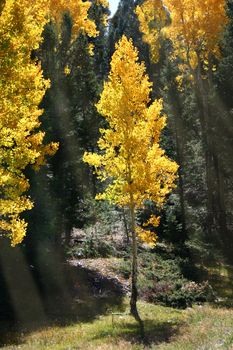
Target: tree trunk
(134, 276)
(68, 230)
(125, 226)
(179, 134)
(226, 241)
(179, 137)
(202, 96)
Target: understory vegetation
(202, 327)
(116, 175)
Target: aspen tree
(152, 18)
(22, 87)
(130, 156)
(195, 30)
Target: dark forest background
(196, 227)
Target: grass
(221, 278)
(202, 327)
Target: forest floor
(206, 327)
(108, 267)
(197, 328)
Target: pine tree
(221, 106)
(70, 117)
(125, 22)
(99, 13)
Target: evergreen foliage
(55, 56)
(70, 117)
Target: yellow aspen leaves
(67, 70)
(129, 154)
(196, 28)
(104, 3)
(22, 88)
(152, 17)
(78, 10)
(146, 236)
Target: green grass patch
(221, 278)
(202, 327)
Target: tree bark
(125, 226)
(226, 242)
(134, 275)
(179, 134)
(202, 96)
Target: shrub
(161, 281)
(91, 247)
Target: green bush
(91, 247)
(124, 268)
(161, 281)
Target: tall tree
(99, 13)
(125, 22)
(71, 62)
(195, 32)
(78, 10)
(130, 155)
(152, 18)
(223, 133)
(196, 29)
(22, 89)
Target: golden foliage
(152, 18)
(130, 155)
(78, 10)
(104, 3)
(196, 28)
(22, 88)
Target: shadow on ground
(156, 332)
(56, 294)
(221, 279)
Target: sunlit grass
(205, 328)
(166, 328)
(221, 279)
